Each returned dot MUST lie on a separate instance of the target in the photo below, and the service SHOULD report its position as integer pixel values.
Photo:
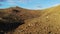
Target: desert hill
(12, 17)
(22, 13)
(45, 21)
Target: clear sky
(30, 4)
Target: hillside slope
(47, 23)
(35, 21)
(13, 17)
(22, 13)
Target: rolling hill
(45, 21)
(11, 18)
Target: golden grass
(37, 21)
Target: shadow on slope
(9, 22)
(9, 26)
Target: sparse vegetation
(22, 21)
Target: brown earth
(30, 21)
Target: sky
(29, 4)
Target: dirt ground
(46, 22)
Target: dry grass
(37, 21)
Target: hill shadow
(6, 27)
(10, 23)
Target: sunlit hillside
(25, 21)
(47, 23)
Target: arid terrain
(17, 20)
